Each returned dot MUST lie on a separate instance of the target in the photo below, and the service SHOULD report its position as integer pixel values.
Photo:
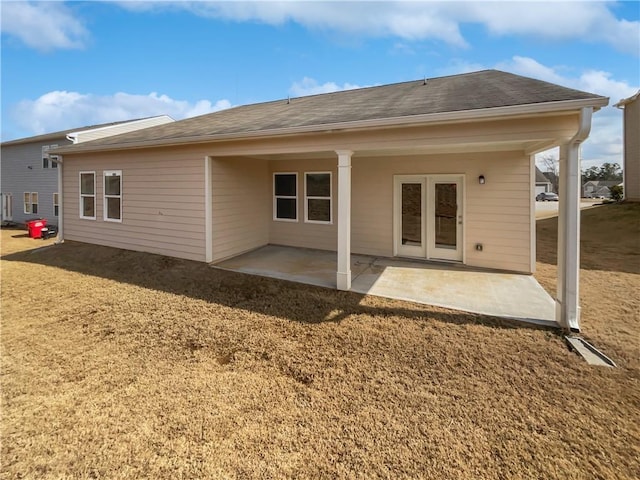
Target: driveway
(550, 209)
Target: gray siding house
(29, 180)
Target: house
(440, 169)
(598, 188)
(29, 185)
(631, 164)
(543, 184)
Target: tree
(606, 171)
(616, 192)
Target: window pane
(318, 184)
(285, 185)
(88, 207)
(27, 198)
(55, 210)
(34, 208)
(86, 184)
(112, 185)
(286, 208)
(34, 197)
(45, 163)
(113, 208)
(54, 164)
(55, 199)
(319, 210)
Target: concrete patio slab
(506, 295)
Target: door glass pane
(446, 212)
(412, 214)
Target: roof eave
(429, 118)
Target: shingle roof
(45, 137)
(540, 178)
(471, 91)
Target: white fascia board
(132, 122)
(493, 113)
(624, 101)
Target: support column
(60, 237)
(208, 204)
(568, 291)
(343, 275)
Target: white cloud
(590, 21)
(44, 26)
(309, 86)
(605, 140)
(59, 110)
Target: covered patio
(507, 295)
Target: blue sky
(71, 64)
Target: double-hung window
(56, 204)
(317, 197)
(31, 202)
(88, 195)
(285, 197)
(113, 196)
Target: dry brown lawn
(119, 364)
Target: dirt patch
(127, 365)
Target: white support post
(208, 205)
(568, 289)
(60, 237)
(343, 275)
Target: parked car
(547, 197)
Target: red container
(35, 227)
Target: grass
(120, 364)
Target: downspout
(60, 237)
(567, 302)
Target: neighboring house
(439, 169)
(542, 183)
(29, 185)
(631, 165)
(598, 188)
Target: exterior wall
(163, 206)
(300, 233)
(93, 134)
(22, 171)
(497, 214)
(241, 206)
(632, 151)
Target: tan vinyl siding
(240, 205)
(162, 202)
(301, 234)
(497, 214)
(632, 151)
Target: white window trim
(56, 204)
(30, 203)
(330, 198)
(105, 210)
(81, 195)
(275, 198)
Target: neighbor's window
(45, 156)
(113, 196)
(285, 196)
(88, 195)
(317, 197)
(56, 205)
(30, 202)
(53, 158)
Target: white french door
(428, 215)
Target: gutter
(60, 237)
(413, 120)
